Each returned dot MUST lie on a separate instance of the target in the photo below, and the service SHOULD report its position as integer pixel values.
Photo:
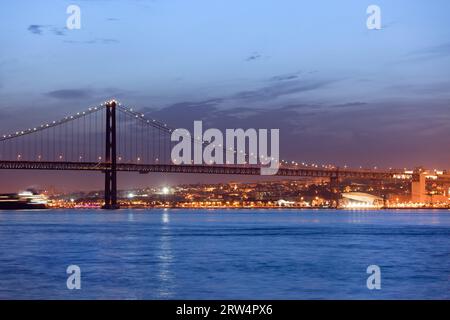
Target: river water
(225, 254)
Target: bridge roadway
(201, 169)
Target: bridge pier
(111, 158)
(335, 190)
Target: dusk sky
(339, 93)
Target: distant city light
(165, 190)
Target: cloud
(40, 29)
(286, 77)
(183, 114)
(254, 56)
(350, 105)
(282, 88)
(434, 89)
(71, 94)
(432, 52)
(347, 133)
(36, 28)
(89, 94)
(94, 41)
(58, 31)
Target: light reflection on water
(166, 285)
(225, 254)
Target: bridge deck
(202, 169)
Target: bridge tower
(111, 157)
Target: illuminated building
(361, 200)
(418, 192)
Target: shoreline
(230, 208)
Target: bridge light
(60, 157)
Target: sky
(339, 92)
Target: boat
(23, 200)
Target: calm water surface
(224, 254)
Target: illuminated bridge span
(111, 138)
(205, 169)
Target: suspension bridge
(112, 137)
